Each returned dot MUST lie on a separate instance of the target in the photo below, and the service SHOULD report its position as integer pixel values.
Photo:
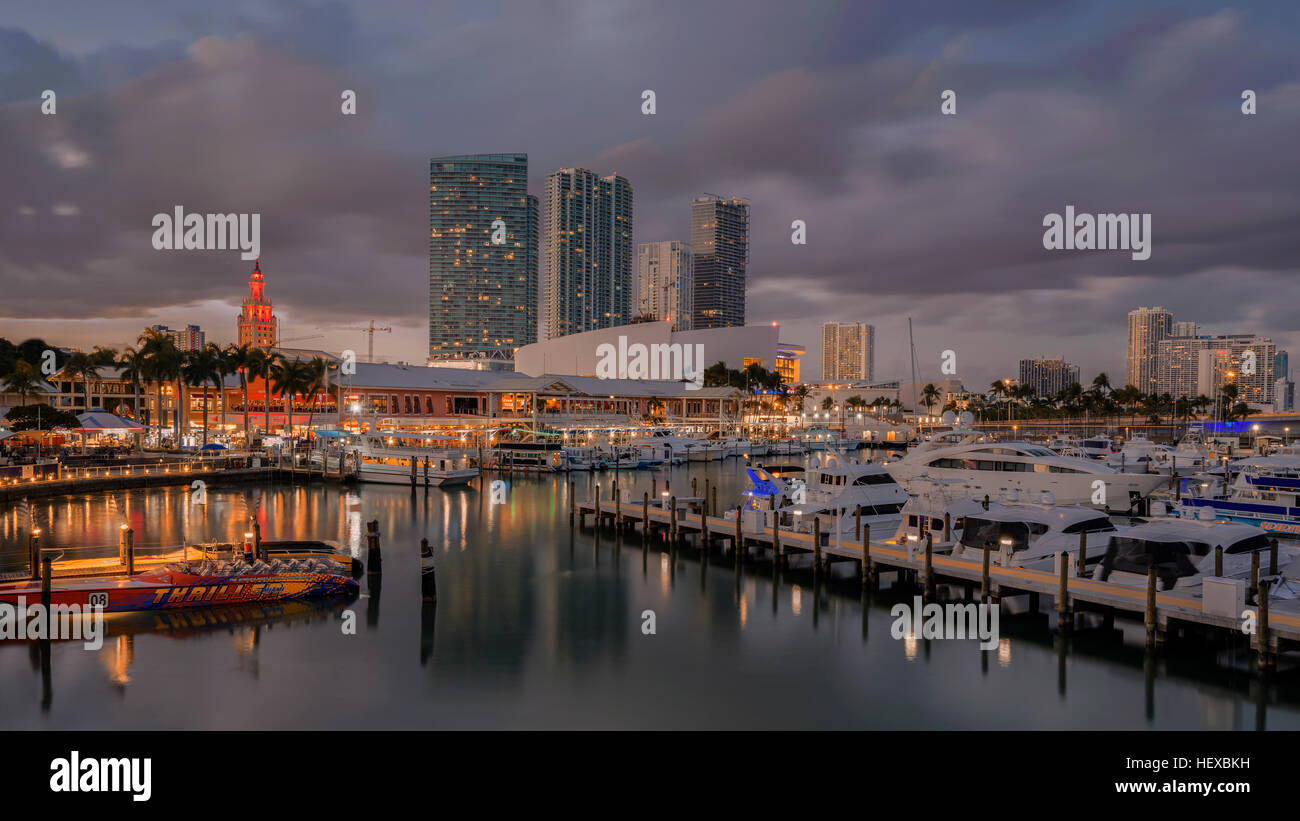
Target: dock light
(36, 531)
(1005, 542)
(123, 526)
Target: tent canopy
(99, 421)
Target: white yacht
(389, 460)
(1020, 534)
(1096, 447)
(833, 491)
(997, 468)
(1183, 553)
(668, 448)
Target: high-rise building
(1048, 377)
(720, 241)
(1146, 328)
(483, 244)
(1183, 329)
(258, 326)
(665, 282)
(588, 252)
(1202, 365)
(192, 338)
(848, 351)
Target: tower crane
(370, 334)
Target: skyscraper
(1048, 377)
(848, 351)
(1146, 328)
(720, 240)
(192, 338)
(666, 282)
(482, 255)
(588, 252)
(258, 326)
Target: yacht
(1183, 552)
(834, 491)
(1028, 535)
(388, 460)
(668, 448)
(1096, 447)
(997, 468)
(1263, 491)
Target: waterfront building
(482, 273)
(666, 282)
(1202, 365)
(1048, 377)
(737, 348)
(720, 242)
(588, 224)
(848, 351)
(1146, 328)
(257, 323)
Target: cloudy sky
(823, 111)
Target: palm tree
(22, 380)
(313, 376)
(238, 359)
(929, 395)
(261, 364)
(163, 365)
(200, 369)
(134, 366)
(86, 367)
(287, 378)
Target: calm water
(538, 627)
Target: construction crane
(370, 333)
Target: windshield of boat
(1171, 559)
(1098, 525)
(980, 533)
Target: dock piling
(1254, 574)
(1218, 560)
(739, 546)
(867, 571)
(374, 559)
(1261, 633)
(1083, 554)
(947, 527)
(817, 546)
(985, 593)
(929, 565)
(1150, 619)
(428, 574)
(1063, 615)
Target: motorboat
(1183, 553)
(1028, 535)
(1263, 491)
(191, 584)
(841, 491)
(668, 448)
(401, 461)
(998, 468)
(1096, 447)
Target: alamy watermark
(1098, 232)
(62, 622)
(952, 620)
(678, 362)
(208, 232)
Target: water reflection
(539, 626)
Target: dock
(926, 564)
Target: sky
(826, 112)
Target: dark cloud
(825, 112)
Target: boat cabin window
(874, 479)
(1250, 545)
(1098, 525)
(979, 533)
(1171, 559)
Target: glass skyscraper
(588, 251)
(482, 276)
(720, 238)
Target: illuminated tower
(257, 325)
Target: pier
(1221, 605)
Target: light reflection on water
(538, 626)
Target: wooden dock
(1162, 612)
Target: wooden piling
(413, 461)
(705, 503)
(672, 518)
(47, 573)
(713, 503)
(428, 574)
(866, 569)
(817, 545)
(1063, 617)
(984, 577)
(645, 515)
(739, 546)
(929, 564)
(130, 551)
(857, 522)
(257, 541)
(1083, 555)
(1261, 632)
(776, 541)
(947, 527)
(1272, 558)
(1254, 574)
(1150, 620)
(1218, 560)
(374, 558)
(693, 493)
(34, 553)
(573, 504)
(618, 508)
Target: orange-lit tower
(257, 325)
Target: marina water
(541, 626)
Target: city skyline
(908, 213)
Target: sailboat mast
(912, 344)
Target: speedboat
(1183, 553)
(997, 468)
(838, 491)
(191, 584)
